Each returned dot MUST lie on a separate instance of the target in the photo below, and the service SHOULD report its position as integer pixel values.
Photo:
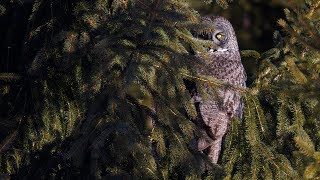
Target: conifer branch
(140, 2)
(313, 8)
(299, 76)
(156, 94)
(8, 141)
(9, 77)
(258, 115)
(217, 83)
(149, 111)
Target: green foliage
(103, 95)
(108, 95)
(278, 135)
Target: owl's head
(223, 35)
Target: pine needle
(5, 144)
(9, 77)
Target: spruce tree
(107, 96)
(96, 90)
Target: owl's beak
(222, 50)
(219, 49)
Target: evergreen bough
(107, 90)
(103, 96)
(279, 136)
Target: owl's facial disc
(222, 36)
(218, 37)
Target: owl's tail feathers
(214, 151)
(208, 146)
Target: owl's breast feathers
(227, 67)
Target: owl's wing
(239, 110)
(242, 78)
(217, 120)
(234, 75)
(232, 103)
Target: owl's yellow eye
(219, 36)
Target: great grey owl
(223, 63)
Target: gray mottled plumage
(225, 65)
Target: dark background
(254, 21)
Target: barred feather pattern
(217, 111)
